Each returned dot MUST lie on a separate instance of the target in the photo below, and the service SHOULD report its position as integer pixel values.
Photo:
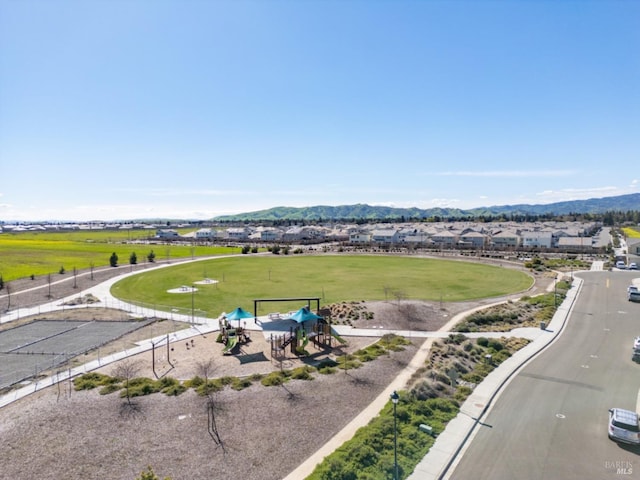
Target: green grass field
(333, 279)
(40, 253)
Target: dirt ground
(266, 431)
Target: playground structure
(298, 339)
(232, 337)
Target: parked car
(621, 265)
(624, 426)
(635, 356)
(633, 266)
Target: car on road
(621, 265)
(633, 266)
(636, 349)
(633, 294)
(624, 426)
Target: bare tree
(127, 370)
(205, 370)
(399, 295)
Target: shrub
(91, 380)
(482, 341)
(274, 379)
(241, 383)
(327, 370)
(174, 390)
(139, 387)
(303, 373)
(210, 387)
(462, 392)
(195, 382)
(110, 388)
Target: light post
(394, 398)
(193, 292)
(555, 292)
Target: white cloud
(507, 173)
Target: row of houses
(571, 235)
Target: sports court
(29, 349)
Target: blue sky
(124, 109)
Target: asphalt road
(551, 420)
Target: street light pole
(193, 292)
(394, 398)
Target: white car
(624, 426)
(633, 266)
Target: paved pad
(29, 349)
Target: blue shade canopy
(303, 315)
(239, 314)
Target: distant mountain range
(621, 203)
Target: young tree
(113, 260)
(127, 370)
(1, 282)
(205, 370)
(133, 258)
(151, 257)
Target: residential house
(537, 239)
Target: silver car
(624, 426)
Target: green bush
(91, 380)
(274, 379)
(139, 387)
(462, 392)
(241, 383)
(174, 390)
(110, 388)
(303, 373)
(482, 341)
(327, 370)
(194, 382)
